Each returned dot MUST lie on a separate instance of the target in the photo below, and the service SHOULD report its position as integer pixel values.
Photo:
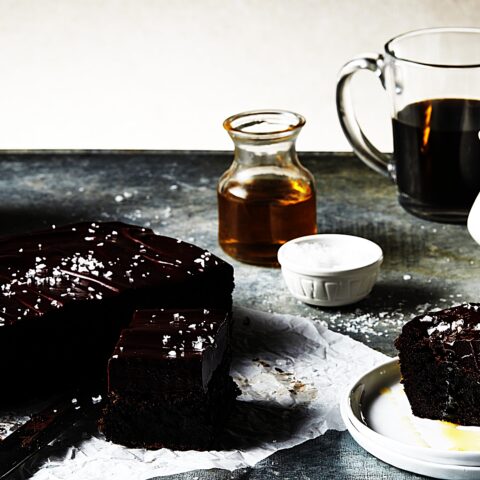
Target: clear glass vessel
(432, 77)
(266, 197)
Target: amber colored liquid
(256, 218)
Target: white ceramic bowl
(330, 270)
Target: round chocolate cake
(68, 296)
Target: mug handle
(371, 156)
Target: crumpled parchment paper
(291, 372)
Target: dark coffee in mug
(432, 78)
(437, 153)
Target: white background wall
(163, 74)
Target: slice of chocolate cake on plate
(440, 364)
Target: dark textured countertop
(426, 264)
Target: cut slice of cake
(168, 380)
(440, 364)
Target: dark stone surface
(426, 264)
(332, 456)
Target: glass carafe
(266, 197)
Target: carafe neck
(265, 138)
(254, 152)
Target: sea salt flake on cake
(198, 343)
(441, 327)
(457, 325)
(201, 261)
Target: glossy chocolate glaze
(171, 333)
(44, 271)
(452, 334)
(182, 348)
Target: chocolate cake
(440, 364)
(168, 380)
(66, 293)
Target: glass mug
(432, 78)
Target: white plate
(410, 464)
(377, 407)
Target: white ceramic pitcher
(473, 223)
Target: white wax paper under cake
(291, 372)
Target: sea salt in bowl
(330, 270)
